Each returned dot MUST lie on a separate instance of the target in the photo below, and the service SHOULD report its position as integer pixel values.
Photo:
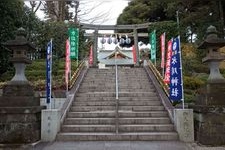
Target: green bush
(7, 76)
(192, 83)
(189, 98)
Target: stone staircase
(141, 116)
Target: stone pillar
(20, 110)
(95, 53)
(50, 124)
(136, 46)
(209, 109)
(184, 122)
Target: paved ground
(102, 145)
(126, 145)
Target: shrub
(192, 83)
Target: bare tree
(86, 10)
(75, 11)
(56, 10)
(35, 6)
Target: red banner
(91, 56)
(162, 43)
(67, 64)
(168, 61)
(134, 54)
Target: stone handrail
(161, 88)
(74, 86)
(159, 77)
(76, 74)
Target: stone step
(112, 86)
(94, 114)
(146, 128)
(101, 89)
(99, 74)
(113, 94)
(97, 90)
(89, 121)
(81, 98)
(100, 82)
(121, 86)
(94, 103)
(91, 108)
(88, 128)
(103, 108)
(113, 103)
(111, 121)
(132, 114)
(146, 120)
(146, 136)
(112, 114)
(141, 115)
(121, 128)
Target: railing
(76, 78)
(159, 77)
(117, 97)
(76, 74)
(161, 87)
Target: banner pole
(181, 70)
(51, 79)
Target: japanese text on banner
(176, 87)
(153, 45)
(74, 40)
(168, 60)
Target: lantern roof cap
(212, 39)
(20, 40)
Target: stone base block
(211, 95)
(50, 124)
(18, 89)
(183, 119)
(20, 124)
(210, 128)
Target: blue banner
(48, 72)
(176, 83)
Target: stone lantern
(20, 46)
(209, 108)
(213, 58)
(20, 110)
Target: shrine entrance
(96, 34)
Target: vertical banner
(153, 46)
(91, 55)
(74, 41)
(162, 45)
(49, 74)
(168, 61)
(176, 83)
(67, 63)
(134, 54)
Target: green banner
(74, 40)
(152, 38)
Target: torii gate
(96, 28)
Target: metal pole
(178, 22)
(116, 76)
(117, 95)
(181, 74)
(50, 103)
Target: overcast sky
(110, 8)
